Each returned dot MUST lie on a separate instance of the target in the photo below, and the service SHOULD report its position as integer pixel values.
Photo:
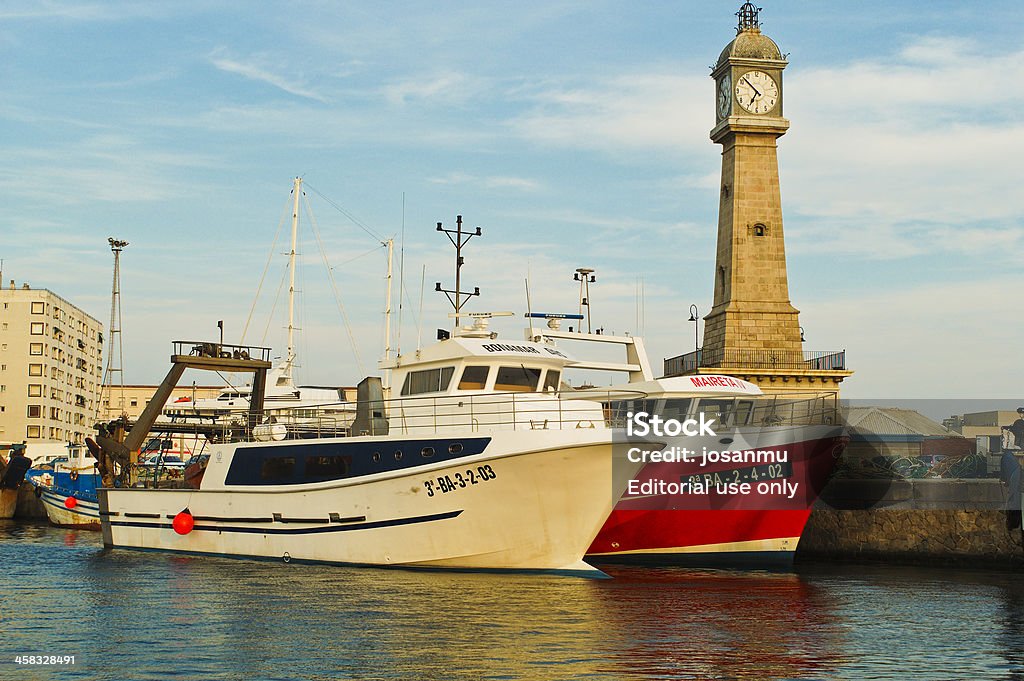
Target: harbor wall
(956, 521)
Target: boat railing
(799, 360)
(220, 350)
(480, 413)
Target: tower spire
(748, 15)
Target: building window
(35, 390)
(135, 403)
(760, 230)
(35, 348)
(38, 307)
(35, 369)
(32, 432)
(35, 411)
(37, 329)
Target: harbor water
(137, 615)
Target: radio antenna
(459, 241)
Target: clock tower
(752, 329)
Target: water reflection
(146, 615)
(679, 623)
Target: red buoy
(70, 502)
(183, 522)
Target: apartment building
(51, 367)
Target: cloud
(490, 182)
(933, 339)
(253, 70)
(633, 112)
(448, 88)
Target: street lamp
(696, 326)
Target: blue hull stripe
(81, 509)
(310, 530)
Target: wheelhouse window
(321, 468)
(517, 379)
(427, 381)
(277, 468)
(474, 378)
(552, 380)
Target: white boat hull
(85, 515)
(532, 501)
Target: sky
(575, 134)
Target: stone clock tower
(752, 329)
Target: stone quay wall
(913, 521)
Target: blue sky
(574, 133)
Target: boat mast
(297, 190)
(390, 243)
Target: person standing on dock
(17, 466)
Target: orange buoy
(70, 502)
(183, 522)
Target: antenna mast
(585, 275)
(116, 246)
(459, 240)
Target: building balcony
(807, 360)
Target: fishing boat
(796, 440)
(67, 489)
(479, 463)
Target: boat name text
(504, 347)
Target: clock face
(724, 96)
(757, 92)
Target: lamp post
(696, 326)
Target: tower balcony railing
(806, 360)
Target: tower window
(760, 230)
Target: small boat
(67, 489)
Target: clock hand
(756, 92)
